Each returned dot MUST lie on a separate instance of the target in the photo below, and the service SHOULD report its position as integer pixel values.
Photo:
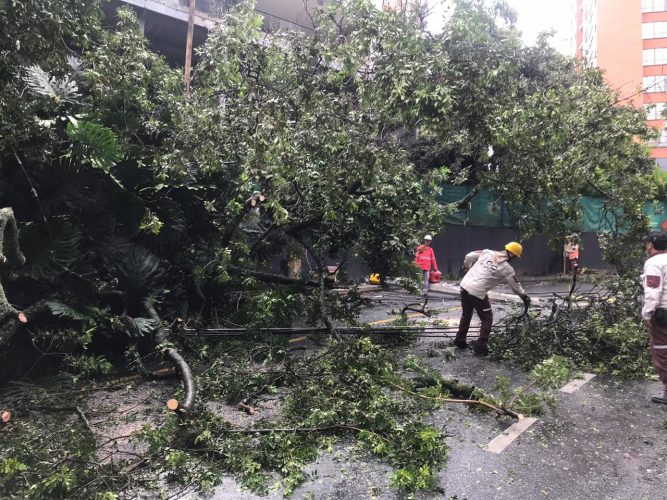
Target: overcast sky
(534, 16)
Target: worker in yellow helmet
(486, 269)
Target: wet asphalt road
(604, 441)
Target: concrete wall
(538, 259)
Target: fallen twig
(472, 402)
(72, 409)
(302, 429)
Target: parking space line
(575, 384)
(499, 443)
(394, 318)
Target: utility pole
(188, 47)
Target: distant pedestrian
(485, 269)
(654, 312)
(571, 254)
(425, 260)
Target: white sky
(534, 16)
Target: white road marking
(510, 434)
(575, 384)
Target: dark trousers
(482, 307)
(659, 351)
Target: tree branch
(179, 363)
(472, 402)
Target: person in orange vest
(425, 260)
(571, 254)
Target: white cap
(428, 237)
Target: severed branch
(276, 278)
(177, 360)
(32, 314)
(499, 410)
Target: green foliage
(348, 156)
(93, 144)
(10, 467)
(88, 366)
(60, 310)
(604, 333)
(47, 456)
(125, 190)
(39, 82)
(346, 399)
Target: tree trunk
(10, 255)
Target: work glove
(526, 300)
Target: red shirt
(425, 257)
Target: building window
(654, 56)
(662, 140)
(654, 5)
(655, 111)
(655, 84)
(654, 30)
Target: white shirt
(654, 279)
(488, 269)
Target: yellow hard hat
(514, 248)
(374, 279)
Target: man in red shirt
(425, 260)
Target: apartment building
(165, 21)
(627, 39)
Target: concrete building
(165, 21)
(627, 39)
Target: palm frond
(50, 248)
(93, 143)
(140, 273)
(264, 248)
(75, 63)
(41, 83)
(60, 310)
(145, 325)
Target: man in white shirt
(654, 312)
(486, 269)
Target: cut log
(177, 360)
(5, 416)
(246, 408)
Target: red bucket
(435, 277)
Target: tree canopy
(323, 147)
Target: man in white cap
(425, 260)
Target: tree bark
(10, 255)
